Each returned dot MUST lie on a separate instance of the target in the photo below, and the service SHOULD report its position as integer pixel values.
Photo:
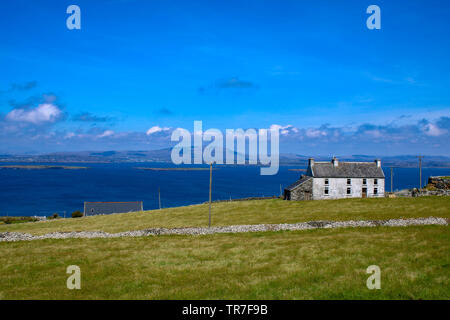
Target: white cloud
(315, 133)
(156, 129)
(284, 130)
(69, 135)
(106, 133)
(433, 130)
(43, 113)
(374, 133)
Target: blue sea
(43, 192)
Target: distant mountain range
(163, 155)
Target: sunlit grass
(316, 264)
(249, 212)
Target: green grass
(12, 220)
(249, 212)
(315, 264)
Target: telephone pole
(159, 198)
(392, 179)
(420, 172)
(210, 183)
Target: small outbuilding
(337, 180)
(94, 208)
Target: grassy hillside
(320, 264)
(249, 212)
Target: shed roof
(298, 182)
(346, 170)
(92, 208)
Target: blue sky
(311, 67)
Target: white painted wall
(337, 188)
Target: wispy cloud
(25, 86)
(89, 117)
(106, 133)
(281, 71)
(37, 126)
(164, 112)
(407, 80)
(233, 83)
(157, 129)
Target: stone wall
(442, 183)
(437, 186)
(424, 192)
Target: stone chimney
(310, 162)
(378, 162)
(335, 162)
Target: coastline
(41, 167)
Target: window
(326, 181)
(325, 191)
(349, 190)
(375, 191)
(375, 181)
(364, 181)
(349, 181)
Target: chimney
(378, 162)
(335, 162)
(310, 162)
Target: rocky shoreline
(18, 236)
(437, 186)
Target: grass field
(249, 212)
(315, 264)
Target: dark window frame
(349, 181)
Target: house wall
(300, 193)
(337, 188)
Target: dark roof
(347, 170)
(297, 183)
(92, 208)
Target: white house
(337, 180)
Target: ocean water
(43, 192)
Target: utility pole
(392, 179)
(64, 214)
(159, 198)
(210, 183)
(420, 172)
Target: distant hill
(163, 155)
